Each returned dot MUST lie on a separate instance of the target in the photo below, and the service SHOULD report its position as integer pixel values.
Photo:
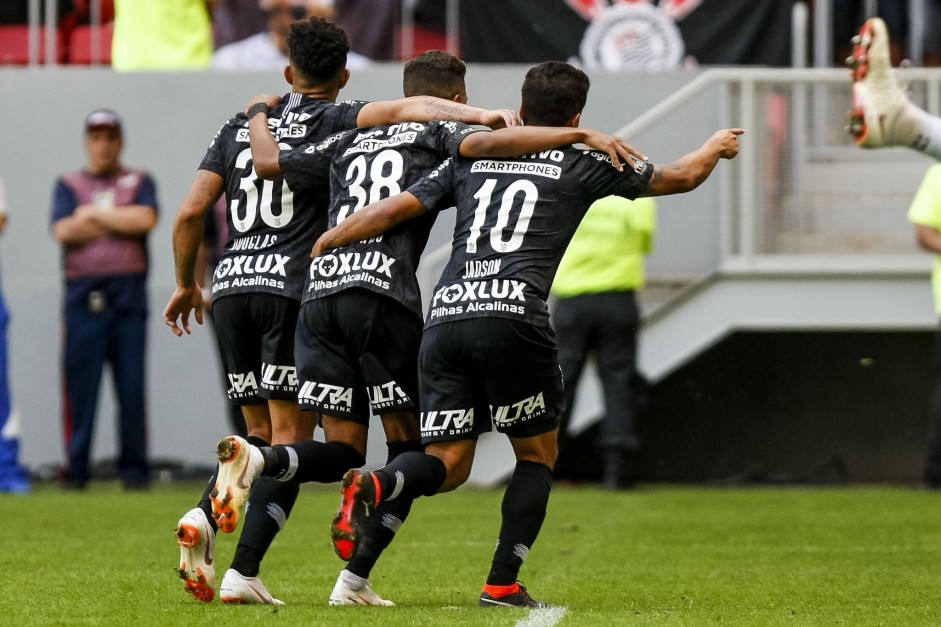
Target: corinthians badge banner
(644, 35)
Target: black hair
(434, 73)
(317, 49)
(553, 92)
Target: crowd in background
(174, 34)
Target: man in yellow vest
(925, 213)
(596, 314)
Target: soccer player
(360, 324)
(257, 286)
(882, 114)
(487, 354)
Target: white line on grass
(543, 617)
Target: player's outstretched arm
(187, 234)
(370, 221)
(265, 149)
(689, 171)
(428, 108)
(523, 140)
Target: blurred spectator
(13, 477)
(268, 50)
(234, 20)
(102, 215)
(161, 35)
(372, 26)
(596, 314)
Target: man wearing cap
(102, 215)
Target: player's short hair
(434, 73)
(553, 92)
(317, 49)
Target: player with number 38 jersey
(363, 166)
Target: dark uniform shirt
(365, 166)
(515, 217)
(271, 228)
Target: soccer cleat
(882, 114)
(239, 465)
(344, 594)
(197, 547)
(360, 495)
(241, 590)
(515, 597)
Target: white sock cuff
(933, 146)
(288, 473)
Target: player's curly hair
(553, 92)
(434, 73)
(317, 49)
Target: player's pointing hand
(726, 142)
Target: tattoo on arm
(445, 111)
(658, 175)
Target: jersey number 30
(246, 207)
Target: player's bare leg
(882, 113)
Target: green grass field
(657, 555)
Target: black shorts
(481, 372)
(256, 340)
(357, 351)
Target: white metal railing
(820, 223)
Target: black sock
(411, 475)
(206, 505)
(310, 460)
(398, 448)
(247, 561)
(254, 440)
(523, 510)
(269, 506)
(382, 527)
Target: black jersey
(515, 217)
(272, 227)
(365, 166)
